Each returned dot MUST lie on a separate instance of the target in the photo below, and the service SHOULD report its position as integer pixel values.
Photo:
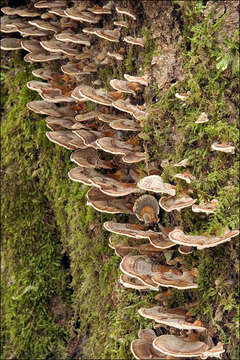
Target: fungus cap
(141, 349)
(65, 138)
(223, 148)
(203, 118)
(146, 209)
(110, 35)
(85, 16)
(69, 35)
(155, 184)
(89, 158)
(207, 208)
(176, 318)
(134, 41)
(82, 175)
(125, 12)
(186, 176)
(132, 283)
(176, 203)
(143, 80)
(201, 241)
(49, 5)
(121, 24)
(114, 146)
(172, 277)
(122, 86)
(134, 157)
(10, 44)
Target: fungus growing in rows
(226, 148)
(82, 175)
(113, 187)
(43, 107)
(203, 118)
(75, 69)
(70, 36)
(132, 158)
(138, 232)
(132, 283)
(201, 241)
(115, 55)
(176, 203)
(77, 95)
(90, 158)
(85, 16)
(208, 208)
(114, 146)
(176, 318)
(143, 80)
(134, 41)
(122, 86)
(108, 118)
(139, 267)
(125, 12)
(104, 203)
(10, 44)
(121, 24)
(182, 163)
(186, 176)
(39, 86)
(184, 348)
(146, 209)
(66, 139)
(155, 184)
(121, 249)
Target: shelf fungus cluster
(68, 39)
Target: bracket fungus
(132, 283)
(155, 184)
(207, 208)
(134, 41)
(125, 12)
(90, 158)
(176, 203)
(201, 241)
(203, 118)
(226, 148)
(146, 209)
(183, 348)
(176, 318)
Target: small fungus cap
(155, 184)
(146, 209)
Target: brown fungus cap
(140, 267)
(114, 146)
(132, 158)
(100, 10)
(44, 56)
(186, 176)
(110, 35)
(70, 36)
(183, 348)
(99, 96)
(50, 4)
(146, 209)
(66, 139)
(176, 203)
(45, 73)
(122, 86)
(132, 283)
(226, 148)
(203, 118)
(89, 158)
(169, 276)
(115, 55)
(176, 318)
(124, 24)
(155, 184)
(207, 208)
(125, 125)
(143, 350)
(10, 44)
(138, 232)
(19, 11)
(43, 107)
(89, 137)
(44, 25)
(134, 41)
(182, 163)
(64, 123)
(104, 203)
(201, 241)
(82, 175)
(143, 80)
(125, 11)
(87, 116)
(83, 16)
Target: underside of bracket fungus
(176, 318)
(146, 209)
(183, 348)
(78, 37)
(201, 241)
